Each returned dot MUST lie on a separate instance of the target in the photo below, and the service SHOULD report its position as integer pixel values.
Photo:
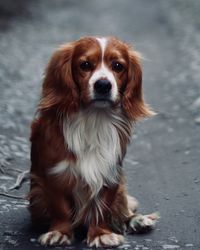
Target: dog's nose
(102, 86)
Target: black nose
(102, 86)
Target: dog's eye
(86, 66)
(117, 67)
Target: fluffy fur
(93, 135)
(79, 141)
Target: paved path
(162, 164)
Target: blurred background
(162, 164)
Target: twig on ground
(15, 170)
(20, 179)
(2, 170)
(12, 196)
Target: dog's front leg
(60, 231)
(109, 231)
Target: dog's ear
(132, 101)
(59, 89)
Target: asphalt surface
(162, 164)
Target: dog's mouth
(102, 102)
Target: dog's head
(98, 72)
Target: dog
(91, 98)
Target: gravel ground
(162, 164)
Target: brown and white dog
(92, 95)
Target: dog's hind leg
(132, 204)
(139, 223)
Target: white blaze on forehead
(103, 43)
(103, 72)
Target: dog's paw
(106, 240)
(54, 238)
(143, 223)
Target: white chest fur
(93, 136)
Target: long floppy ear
(133, 102)
(59, 91)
